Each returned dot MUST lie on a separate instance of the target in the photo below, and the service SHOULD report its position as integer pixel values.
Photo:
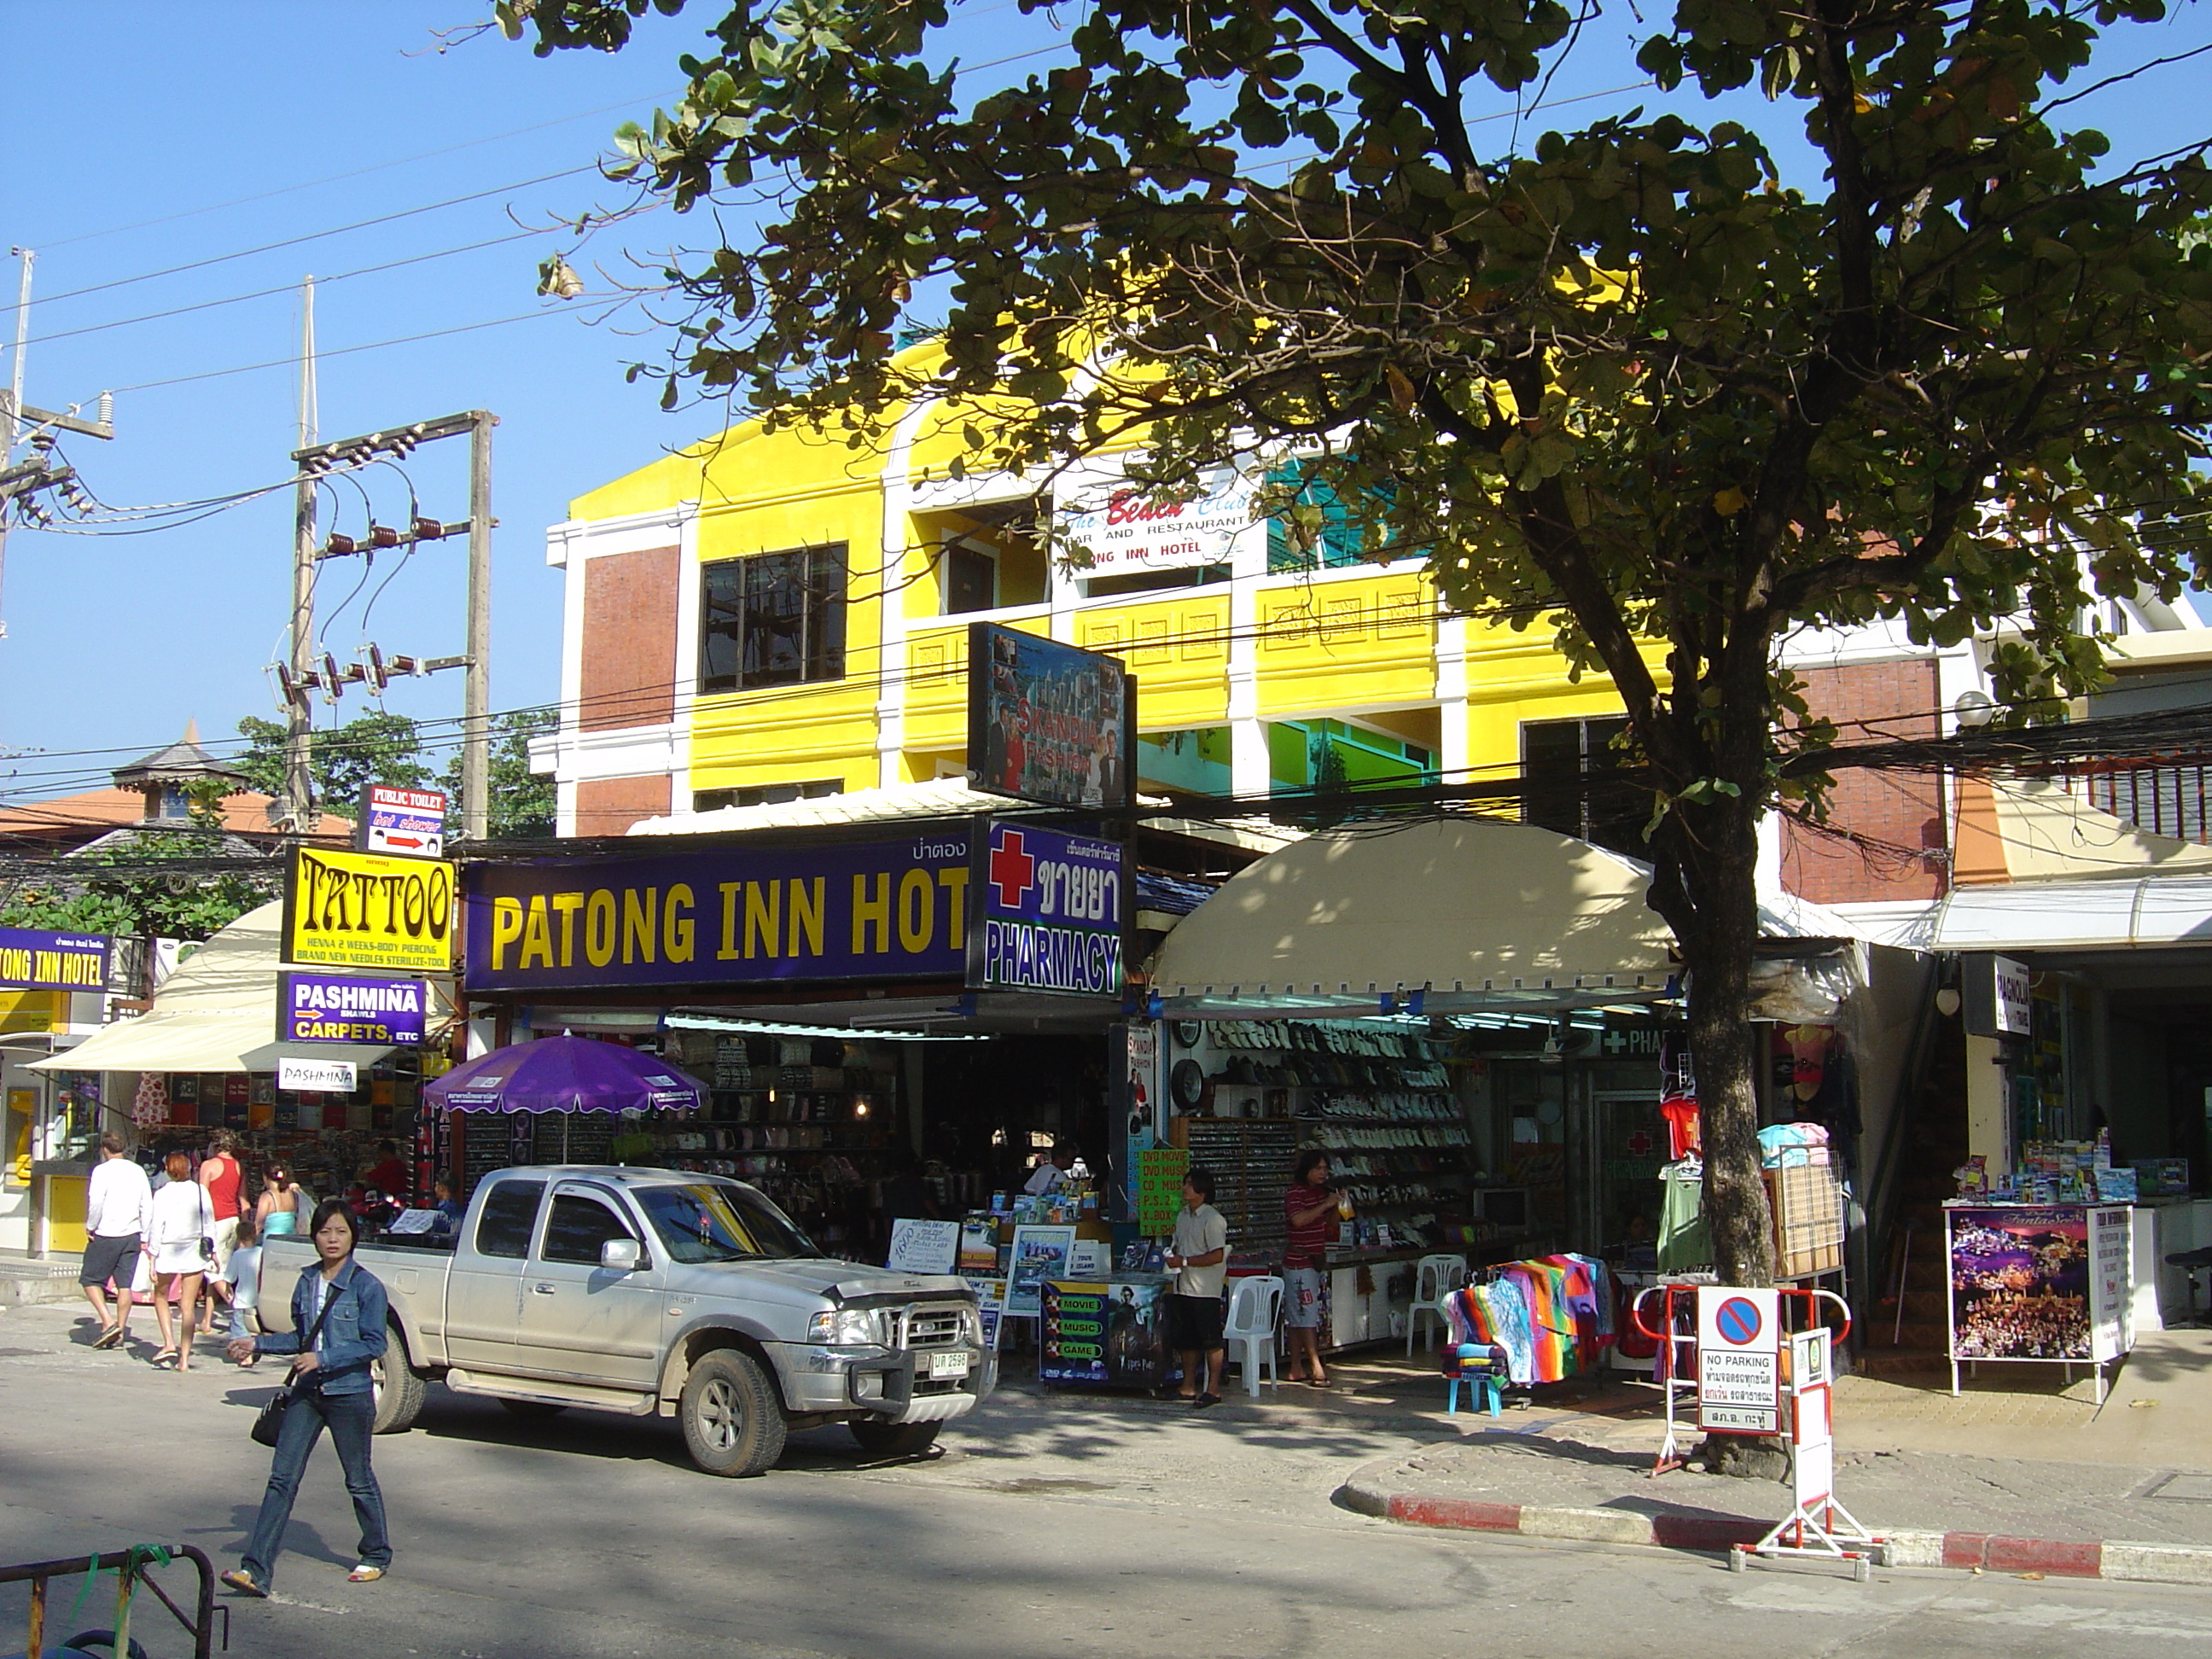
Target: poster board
(1160, 1170)
(923, 1247)
(1105, 1333)
(1047, 722)
(1739, 1360)
(978, 1250)
(991, 1303)
(1041, 1254)
(2112, 1281)
(2020, 1278)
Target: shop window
(1572, 773)
(1191, 763)
(1342, 540)
(1327, 755)
(765, 794)
(510, 1215)
(578, 1227)
(989, 556)
(772, 619)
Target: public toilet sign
(408, 822)
(1739, 1360)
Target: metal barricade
(133, 1570)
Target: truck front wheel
(395, 1385)
(732, 1420)
(880, 1439)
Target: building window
(765, 794)
(971, 579)
(772, 619)
(1571, 770)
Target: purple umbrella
(564, 1074)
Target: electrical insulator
(429, 529)
(337, 547)
(383, 535)
(333, 682)
(377, 677)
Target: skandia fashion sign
(1054, 908)
(890, 910)
(360, 910)
(341, 1008)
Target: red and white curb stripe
(2163, 1563)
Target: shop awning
(2147, 912)
(1471, 914)
(217, 1012)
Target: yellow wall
(1340, 642)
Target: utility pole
(15, 395)
(476, 691)
(300, 717)
(314, 461)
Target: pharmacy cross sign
(1013, 869)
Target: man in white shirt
(1199, 1256)
(1048, 1174)
(119, 1210)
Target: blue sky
(121, 114)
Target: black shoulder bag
(270, 1424)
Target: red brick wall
(1900, 811)
(608, 806)
(630, 638)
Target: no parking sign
(1739, 1360)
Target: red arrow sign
(401, 841)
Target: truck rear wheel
(394, 1385)
(732, 1420)
(881, 1439)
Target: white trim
(1454, 737)
(622, 752)
(899, 506)
(683, 670)
(627, 532)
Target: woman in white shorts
(184, 1220)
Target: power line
(316, 235)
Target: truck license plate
(948, 1365)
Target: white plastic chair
(1435, 1277)
(1255, 1306)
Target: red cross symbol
(1013, 869)
(1639, 1143)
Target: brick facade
(608, 806)
(630, 639)
(1898, 700)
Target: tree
(198, 897)
(1627, 380)
(375, 747)
(521, 805)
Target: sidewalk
(47, 1278)
(2020, 1472)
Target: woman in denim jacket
(331, 1388)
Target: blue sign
(348, 1008)
(1052, 913)
(732, 915)
(31, 960)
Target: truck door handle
(540, 1290)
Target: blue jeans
(349, 1417)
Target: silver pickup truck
(651, 1292)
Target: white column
(1454, 745)
(892, 579)
(1249, 770)
(684, 671)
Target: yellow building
(777, 614)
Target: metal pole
(475, 698)
(300, 717)
(16, 384)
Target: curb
(1978, 1552)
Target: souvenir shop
(1492, 1059)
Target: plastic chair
(1476, 1367)
(1255, 1306)
(1435, 1277)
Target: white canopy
(217, 1012)
(1463, 906)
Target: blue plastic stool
(1477, 1370)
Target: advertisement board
(32, 959)
(872, 911)
(1052, 913)
(1040, 1255)
(1126, 528)
(1108, 1334)
(1047, 722)
(348, 1008)
(364, 911)
(329, 1076)
(2020, 1283)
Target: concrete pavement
(1050, 1525)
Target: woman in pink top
(222, 1176)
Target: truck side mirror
(619, 1255)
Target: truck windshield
(714, 1223)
